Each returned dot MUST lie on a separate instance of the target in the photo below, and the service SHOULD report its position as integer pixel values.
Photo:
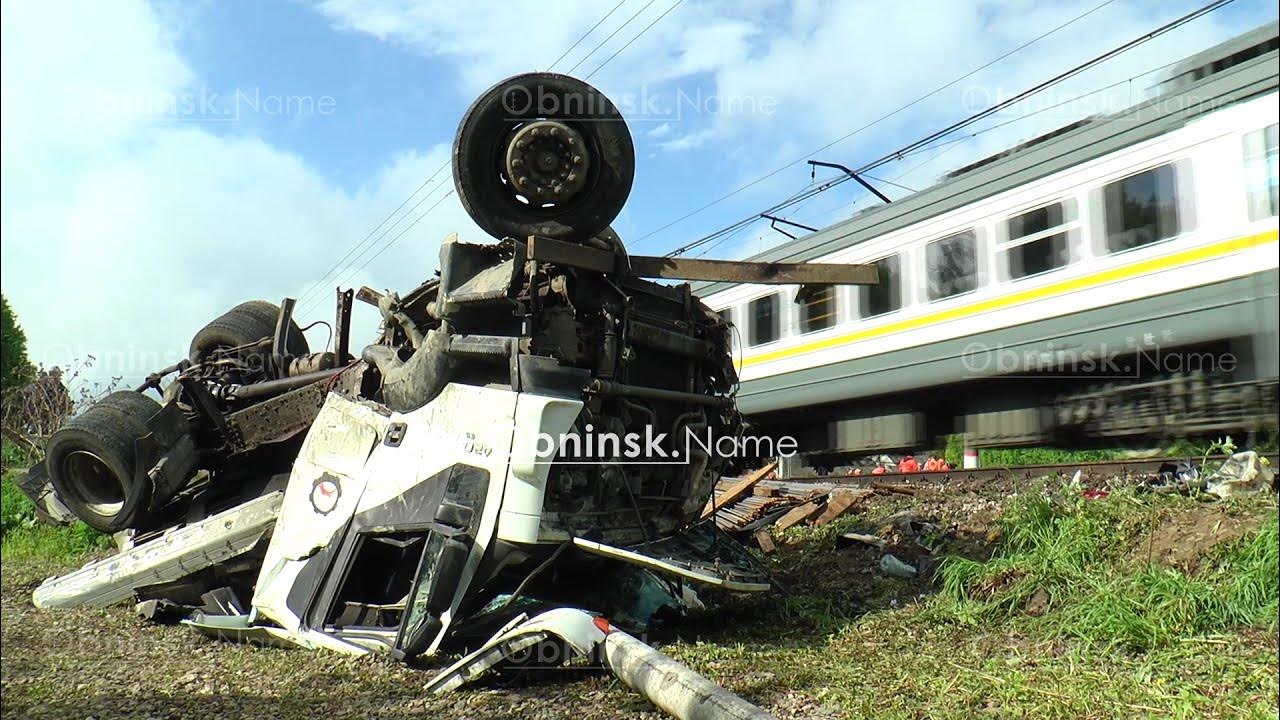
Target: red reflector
(602, 624)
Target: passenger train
(1113, 281)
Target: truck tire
(91, 463)
(135, 406)
(245, 323)
(577, 124)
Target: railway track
(1128, 467)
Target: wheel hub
(97, 485)
(547, 162)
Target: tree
(15, 368)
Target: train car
(1114, 281)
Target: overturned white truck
(535, 428)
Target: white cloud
(690, 141)
(773, 81)
(123, 235)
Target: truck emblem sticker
(325, 493)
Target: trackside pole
(672, 686)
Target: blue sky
(132, 214)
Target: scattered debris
(799, 514)
(765, 541)
(1175, 477)
(851, 537)
(891, 565)
(738, 489)
(840, 502)
(578, 635)
(1244, 473)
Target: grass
(1011, 457)
(1120, 637)
(1074, 555)
(23, 537)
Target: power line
(338, 265)
(637, 37)
(356, 270)
(584, 36)
(955, 143)
(611, 36)
(874, 122)
(924, 142)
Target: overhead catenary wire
(356, 270)
(605, 41)
(585, 35)
(637, 36)
(929, 139)
(337, 267)
(954, 143)
(357, 250)
(876, 121)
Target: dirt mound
(1185, 538)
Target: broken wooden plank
(765, 541)
(737, 490)
(840, 502)
(765, 491)
(799, 514)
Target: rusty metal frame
(342, 327)
(677, 268)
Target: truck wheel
(543, 154)
(245, 323)
(91, 463)
(135, 406)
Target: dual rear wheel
(92, 460)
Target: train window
(1260, 172)
(817, 308)
(887, 296)
(1037, 241)
(1141, 209)
(951, 265)
(764, 314)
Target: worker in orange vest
(908, 464)
(932, 464)
(879, 469)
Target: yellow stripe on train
(1124, 272)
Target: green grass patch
(24, 537)
(1011, 457)
(1064, 569)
